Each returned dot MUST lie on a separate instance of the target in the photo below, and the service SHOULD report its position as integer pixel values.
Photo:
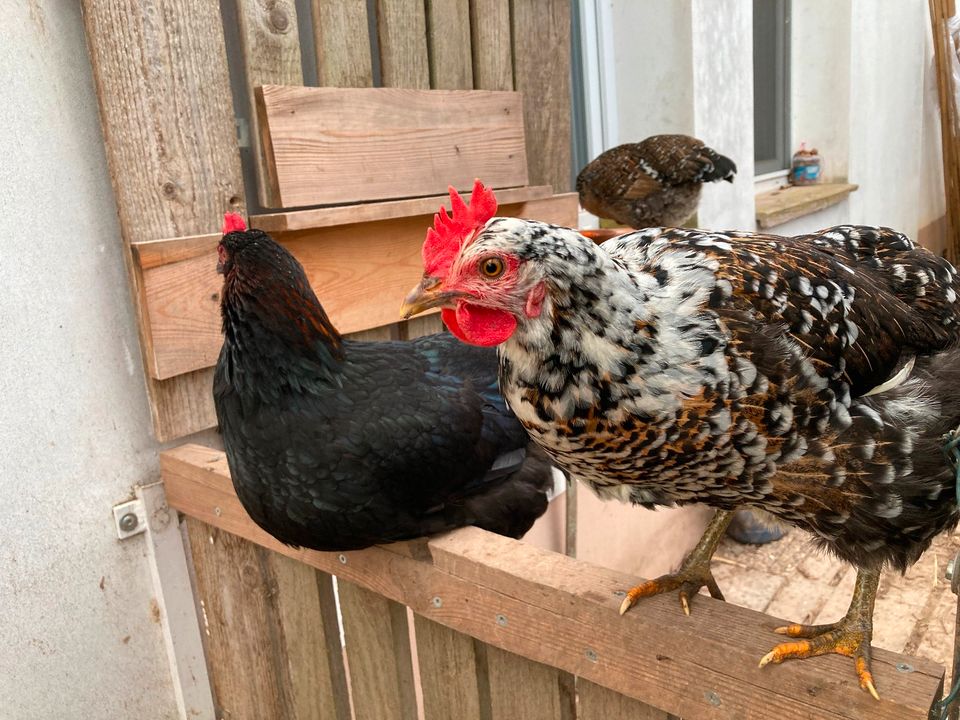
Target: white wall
(723, 106)
(80, 634)
(653, 68)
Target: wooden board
(270, 54)
(491, 43)
(521, 688)
(339, 145)
(355, 270)
(448, 36)
(564, 612)
(342, 42)
(448, 672)
(172, 151)
(401, 32)
(378, 655)
(267, 649)
(545, 87)
(595, 702)
(368, 212)
(784, 204)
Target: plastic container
(805, 167)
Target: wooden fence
(502, 631)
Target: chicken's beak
(427, 295)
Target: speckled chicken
(336, 444)
(812, 377)
(651, 183)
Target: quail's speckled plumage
(651, 183)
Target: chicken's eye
(492, 267)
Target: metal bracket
(129, 519)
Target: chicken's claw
(850, 636)
(694, 573)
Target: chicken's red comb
(448, 233)
(233, 222)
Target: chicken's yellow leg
(693, 574)
(849, 636)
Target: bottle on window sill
(805, 167)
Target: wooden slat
(172, 150)
(545, 87)
(490, 35)
(270, 54)
(402, 35)
(448, 672)
(369, 212)
(339, 145)
(564, 612)
(181, 300)
(521, 688)
(940, 11)
(448, 36)
(266, 643)
(378, 655)
(596, 702)
(342, 42)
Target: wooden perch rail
(563, 613)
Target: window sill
(789, 203)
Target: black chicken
(337, 445)
(813, 377)
(651, 183)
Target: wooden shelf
(370, 212)
(784, 204)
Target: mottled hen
(337, 445)
(813, 377)
(651, 183)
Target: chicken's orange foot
(850, 636)
(693, 574)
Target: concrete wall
(80, 632)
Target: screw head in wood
(501, 620)
(437, 602)
(342, 558)
(712, 698)
(591, 655)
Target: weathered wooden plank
(171, 147)
(784, 204)
(402, 36)
(339, 145)
(491, 42)
(369, 212)
(181, 299)
(448, 36)
(521, 688)
(270, 54)
(596, 702)
(545, 87)
(342, 42)
(448, 672)
(378, 654)
(564, 612)
(266, 644)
